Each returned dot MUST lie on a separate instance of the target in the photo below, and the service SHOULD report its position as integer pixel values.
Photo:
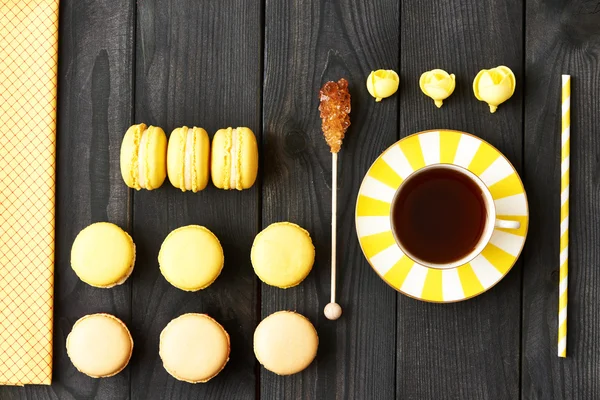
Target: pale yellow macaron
(282, 254)
(191, 258)
(143, 157)
(99, 345)
(188, 157)
(103, 255)
(234, 159)
(194, 348)
(285, 342)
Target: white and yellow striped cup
(491, 221)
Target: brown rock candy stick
(335, 110)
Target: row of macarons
(193, 347)
(191, 257)
(188, 158)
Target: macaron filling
(142, 161)
(188, 162)
(233, 165)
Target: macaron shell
(99, 345)
(282, 254)
(249, 158)
(194, 348)
(191, 258)
(285, 342)
(219, 159)
(103, 255)
(156, 162)
(176, 158)
(129, 154)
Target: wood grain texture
(466, 350)
(306, 44)
(200, 63)
(563, 37)
(94, 109)
(197, 63)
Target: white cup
(491, 221)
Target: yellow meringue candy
(437, 84)
(382, 83)
(494, 86)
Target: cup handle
(501, 223)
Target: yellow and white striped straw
(564, 215)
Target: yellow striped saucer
(373, 216)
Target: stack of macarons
(147, 158)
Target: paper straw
(564, 215)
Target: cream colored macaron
(285, 342)
(191, 258)
(99, 345)
(103, 255)
(282, 254)
(194, 348)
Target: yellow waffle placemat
(28, 71)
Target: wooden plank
(562, 38)
(306, 44)
(94, 109)
(197, 63)
(94, 106)
(467, 350)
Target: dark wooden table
(260, 64)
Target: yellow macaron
(143, 157)
(285, 342)
(282, 254)
(194, 348)
(188, 156)
(191, 258)
(103, 255)
(234, 159)
(99, 345)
